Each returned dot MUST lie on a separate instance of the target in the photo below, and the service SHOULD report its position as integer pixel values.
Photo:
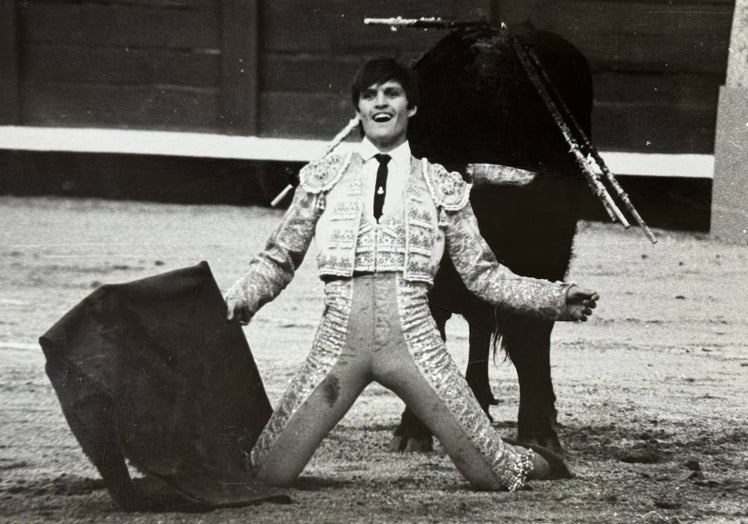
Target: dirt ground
(652, 391)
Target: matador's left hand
(580, 302)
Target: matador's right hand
(237, 309)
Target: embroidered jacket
(437, 213)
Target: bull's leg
(477, 367)
(528, 343)
(412, 434)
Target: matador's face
(384, 113)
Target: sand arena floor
(651, 389)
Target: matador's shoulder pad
(320, 175)
(448, 189)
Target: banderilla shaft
(423, 23)
(597, 187)
(593, 150)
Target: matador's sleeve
(272, 270)
(494, 283)
(476, 263)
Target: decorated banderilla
(609, 177)
(329, 148)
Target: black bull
(479, 106)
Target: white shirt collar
(400, 154)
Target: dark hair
(381, 70)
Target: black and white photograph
(374, 261)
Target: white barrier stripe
(21, 346)
(207, 145)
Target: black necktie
(381, 187)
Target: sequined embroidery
(404, 242)
(381, 247)
(336, 231)
(494, 283)
(436, 365)
(326, 348)
(321, 175)
(447, 188)
(424, 240)
(271, 270)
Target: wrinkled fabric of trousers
(152, 373)
(379, 328)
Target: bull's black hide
(479, 106)
(151, 372)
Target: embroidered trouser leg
(379, 328)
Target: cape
(150, 371)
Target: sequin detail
(319, 176)
(424, 240)
(337, 229)
(436, 365)
(381, 247)
(341, 228)
(409, 242)
(271, 271)
(447, 188)
(494, 283)
(326, 348)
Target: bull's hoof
(411, 435)
(557, 466)
(539, 431)
(406, 444)
(559, 469)
(550, 442)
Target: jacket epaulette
(448, 189)
(319, 176)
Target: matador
(382, 220)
